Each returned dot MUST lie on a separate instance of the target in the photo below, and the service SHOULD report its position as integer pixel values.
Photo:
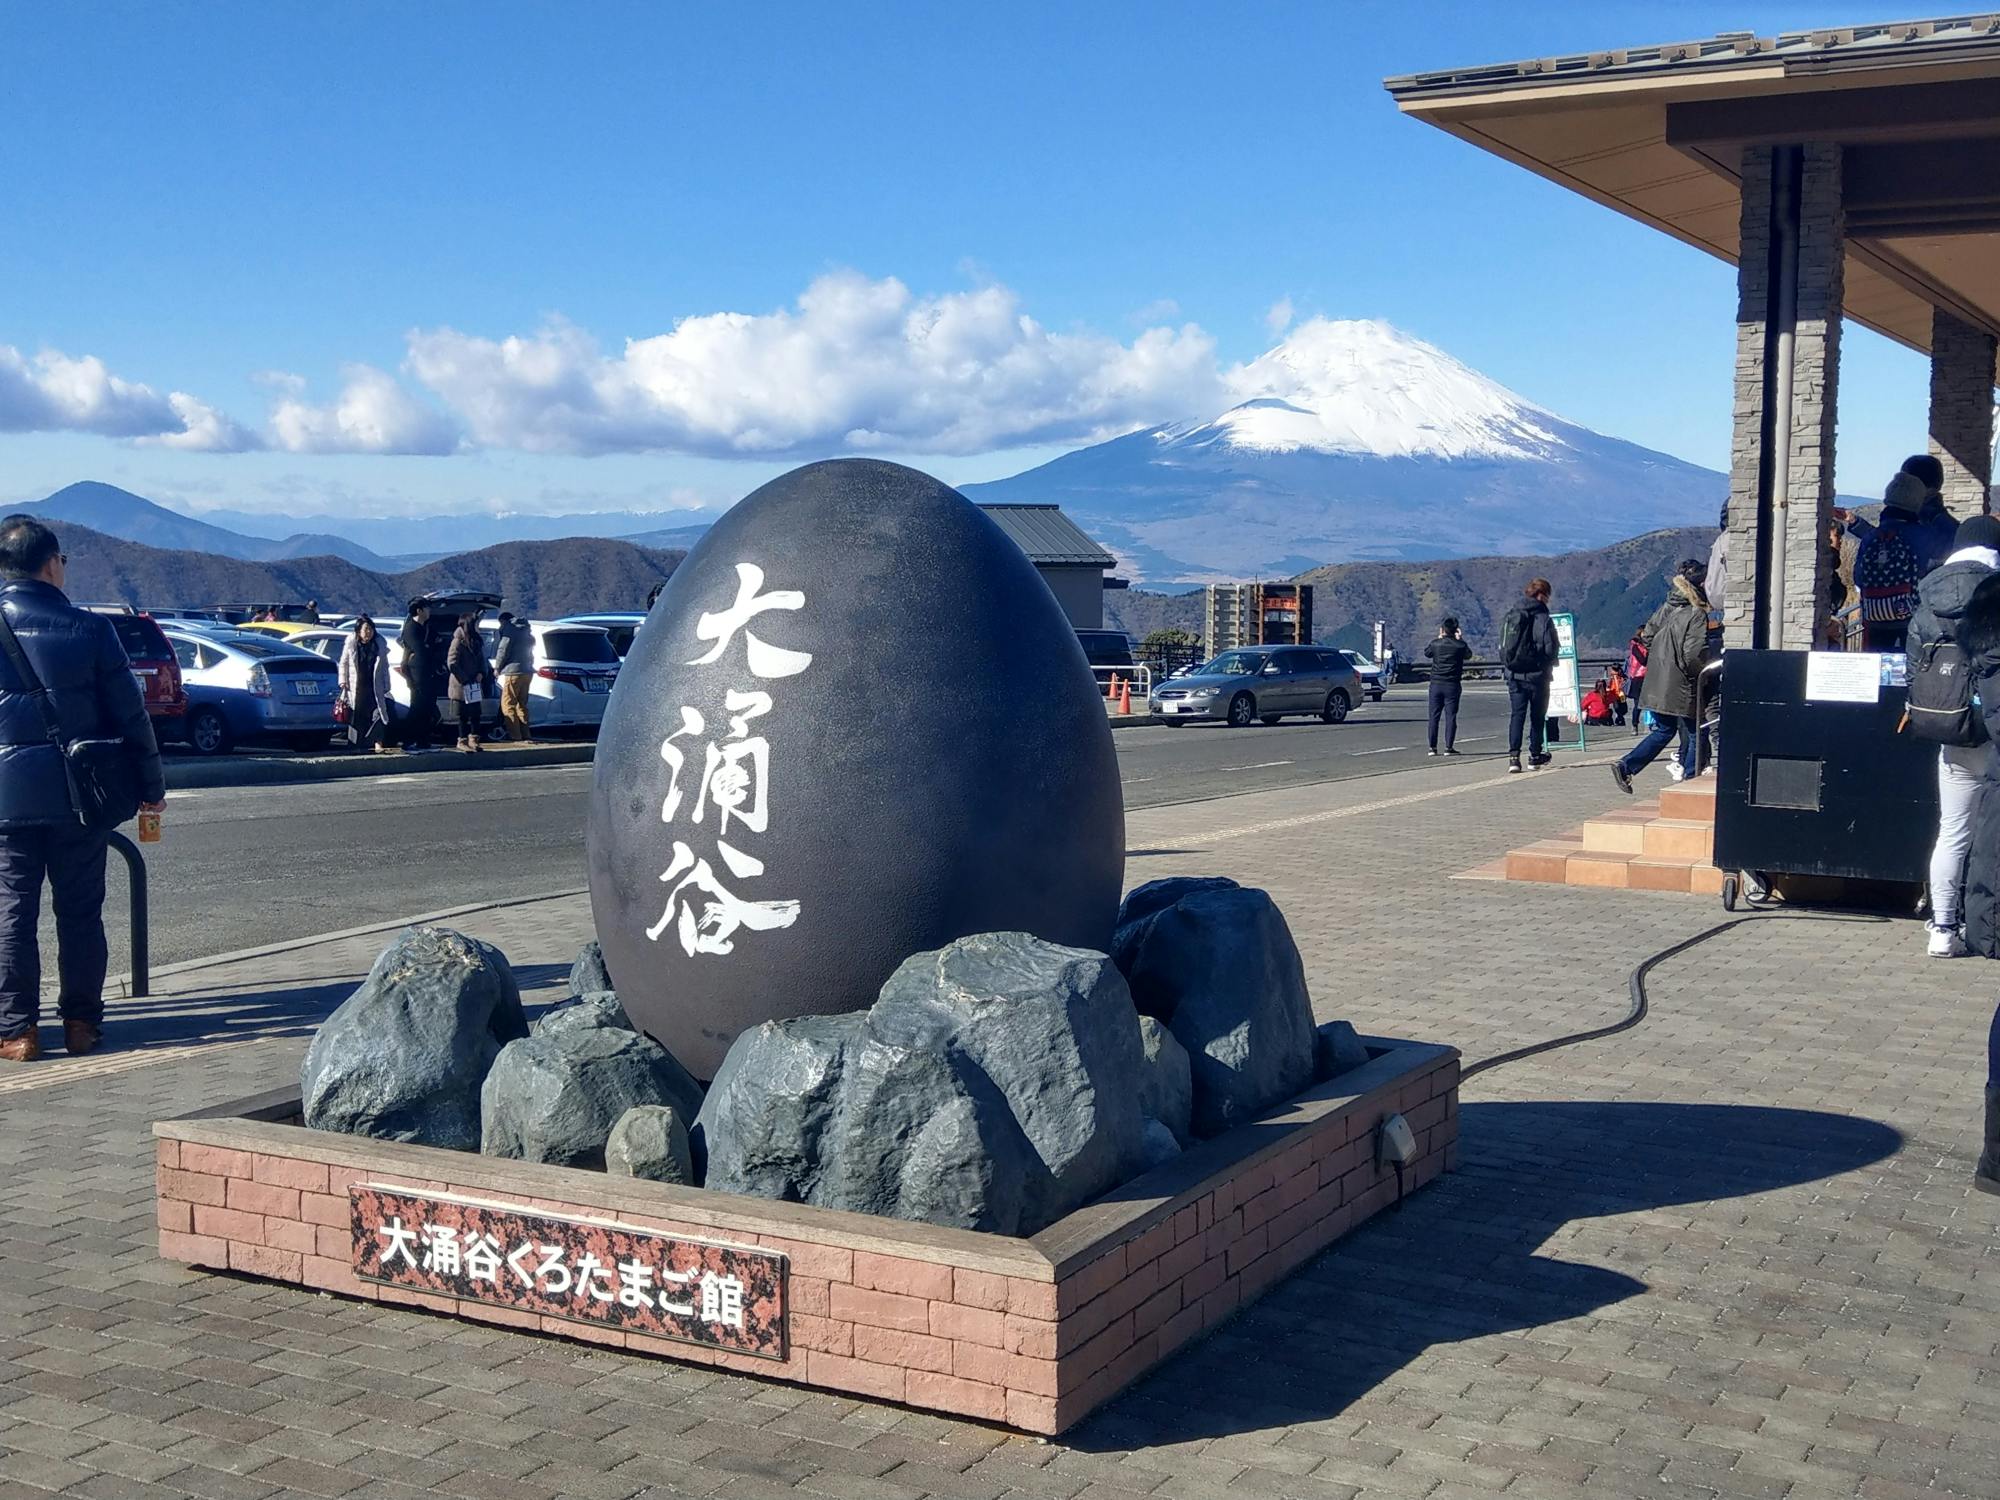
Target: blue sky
(323, 224)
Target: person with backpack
(1676, 638)
(1978, 637)
(1528, 652)
(1887, 569)
(1942, 708)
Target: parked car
(576, 666)
(244, 688)
(153, 664)
(623, 628)
(1370, 672)
(280, 629)
(1262, 683)
(1106, 648)
(322, 640)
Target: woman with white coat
(364, 686)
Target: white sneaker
(1946, 943)
(1675, 771)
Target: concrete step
(1621, 832)
(1692, 801)
(1679, 838)
(1545, 861)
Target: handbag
(342, 713)
(102, 774)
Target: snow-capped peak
(1364, 387)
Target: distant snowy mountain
(1355, 441)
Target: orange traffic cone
(1111, 692)
(1125, 699)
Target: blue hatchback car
(252, 689)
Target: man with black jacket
(1448, 655)
(1528, 652)
(90, 685)
(416, 669)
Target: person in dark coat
(1529, 649)
(89, 681)
(1676, 639)
(466, 667)
(1448, 655)
(1978, 636)
(417, 669)
(1962, 769)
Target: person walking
(1448, 655)
(466, 666)
(1962, 769)
(419, 674)
(514, 666)
(364, 686)
(77, 685)
(1528, 652)
(1676, 639)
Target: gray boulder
(588, 976)
(921, 1133)
(767, 1109)
(554, 1097)
(650, 1141)
(1052, 1028)
(403, 1058)
(582, 1012)
(1166, 1083)
(1145, 902)
(995, 1085)
(1337, 1047)
(1157, 1145)
(1218, 966)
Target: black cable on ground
(1636, 984)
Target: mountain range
(1611, 590)
(1355, 442)
(573, 575)
(1348, 442)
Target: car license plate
(1177, 708)
(597, 684)
(306, 687)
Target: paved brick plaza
(1731, 1253)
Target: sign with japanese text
(719, 1296)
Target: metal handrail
(135, 875)
(1138, 677)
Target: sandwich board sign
(1565, 691)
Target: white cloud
(856, 365)
(56, 392)
(372, 414)
(1279, 316)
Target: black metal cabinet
(1819, 788)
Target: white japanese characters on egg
(730, 798)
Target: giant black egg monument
(856, 726)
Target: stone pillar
(1962, 380)
(1815, 388)
(1761, 608)
(1753, 297)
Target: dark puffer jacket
(1978, 636)
(1677, 643)
(90, 682)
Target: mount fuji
(1353, 441)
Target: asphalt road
(244, 866)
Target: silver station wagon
(1262, 684)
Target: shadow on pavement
(224, 1013)
(1458, 1260)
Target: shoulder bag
(102, 774)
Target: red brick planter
(1034, 1332)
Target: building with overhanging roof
(1071, 564)
(1846, 172)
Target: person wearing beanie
(1942, 599)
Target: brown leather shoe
(27, 1047)
(80, 1037)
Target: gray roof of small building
(1814, 49)
(1049, 536)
